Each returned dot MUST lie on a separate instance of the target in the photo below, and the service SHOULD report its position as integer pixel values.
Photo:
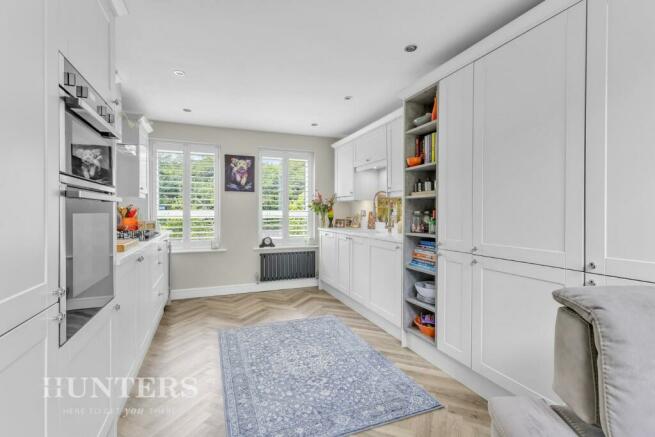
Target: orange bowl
(414, 161)
(425, 329)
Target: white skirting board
(223, 290)
(361, 309)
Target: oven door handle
(74, 193)
(81, 108)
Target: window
(286, 185)
(185, 199)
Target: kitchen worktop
(132, 251)
(366, 233)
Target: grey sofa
(604, 369)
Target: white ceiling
(280, 65)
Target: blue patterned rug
(311, 377)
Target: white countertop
(366, 233)
(137, 248)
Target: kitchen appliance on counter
(87, 202)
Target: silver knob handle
(474, 262)
(69, 78)
(590, 283)
(59, 317)
(59, 292)
(82, 91)
(140, 259)
(117, 307)
(592, 265)
(474, 249)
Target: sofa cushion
(516, 416)
(624, 329)
(575, 378)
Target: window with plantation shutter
(285, 190)
(185, 199)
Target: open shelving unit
(414, 107)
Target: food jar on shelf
(416, 221)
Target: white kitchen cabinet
(144, 304)
(620, 191)
(360, 272)
(86, 32)
(343, 263)
(455, 185)
(528, 145)
(27, 358)
(132, 156)
(454, 282)
(29, 260)
(514, 323)
(86, 357)
(592, 280)
(123, 327)
(344, 172)
(386, 280)
(371, 147)
(395, 158)
(328, 258)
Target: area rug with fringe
(311, 377)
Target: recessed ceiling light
(411, 48)
(348, 98)
(314, 124)
(178, 73)
(186, 109)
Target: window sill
(175, 251)
(289, 248)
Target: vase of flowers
(321, 207)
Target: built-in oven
(87, 203)
(87, 241)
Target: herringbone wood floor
(186, 344)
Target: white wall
(239, 263)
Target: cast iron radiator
(287, 265)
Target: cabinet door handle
(474, 262)
(592, 265)
(117, 307)
(590, 283)
(474, 249)
(140, 259)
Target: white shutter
(285, 190)
(271, 197)
(298, 197)
(202, 203)
(170, 192)
(187, 193)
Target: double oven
(87, 201)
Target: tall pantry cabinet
(620, 186)
(545, 181)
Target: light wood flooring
(186, 344)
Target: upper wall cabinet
(529, 145)
(620, 235)
(395, 158)
(132, 158)
(371, 147)
(456, 161)
(344, 172)
(86, 39)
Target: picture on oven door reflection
(91, 162)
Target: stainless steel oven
(87, 241)
(87, 236)
(87, 153)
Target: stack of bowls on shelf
(425, 291)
